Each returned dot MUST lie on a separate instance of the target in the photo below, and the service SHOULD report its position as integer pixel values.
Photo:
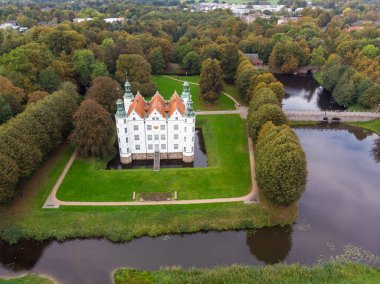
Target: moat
(337, 214)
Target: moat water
(338, 216)
(200, 158)
(303, 92)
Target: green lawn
(336, 273)
(26, 219)
(27, 279)
(373, 125)
(228, 174)
(167, 86)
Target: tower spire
(189, 111)
(186, 91)
(120, 113)
(127, 86)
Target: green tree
(48, 80)
(211, 83)
(99, 69)
(192, 62)
(156, 60)
(84, 65)
(265, 113)
(371, 51)
(318, 56)
(9, 174)
(243, 82)
(371, 97)
(229, 61)
(263, 97)
(5, 110)
(94, 131)
(344, 93)
(36, 96)
(105, 91)
(330, 74)
(137, 68)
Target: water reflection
(303, 92)
(271, 245)
(200, 158)
(376, 150)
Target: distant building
(114, 20)
(80, 20)
(254, 58)
(355, 28)
(12, 25)
(156, 126)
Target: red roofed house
(156, 126)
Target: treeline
(281, 167)
(349, 87)
(27, 139)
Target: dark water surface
(200, 158)
(303, 92)
(341, 206)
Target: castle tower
(185, 93)
(123, 133)
(128, 96)
(188, 151)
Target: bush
(265, 113)
(281, 167)
(371, 97)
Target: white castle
(156, 126)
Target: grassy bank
(27, 279)
(373, 125)
(227, 174)
(25, 219)
(167, 86)
(287, 274)
(317, 77)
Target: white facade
(147, 127)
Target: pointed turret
(120, 113)
(186, 92)
(128, 93)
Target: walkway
(315, 115)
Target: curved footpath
(253, 197)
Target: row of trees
(281, 168)
(27, 139)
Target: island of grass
(227, 174)
(27, 279)
(337, 273)
(167, 84)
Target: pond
(305, 93)
(200, 158)
(338, 216)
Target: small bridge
(316, 115)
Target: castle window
(137, 138)
(149, 127)
(126, 139)
(162, 136)
(135, 127)
(162, 127)
(175, 126)
(192, 138)
(175, 136)
(163, 146)
(176, 118)
(149, 137)
(137, 147)
(134, 118)
(127, 150)
(184, 149)
(176, 146)
(150, 146)
(185, 138)
(156, 137)
(125, 121)
(125, 129)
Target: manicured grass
(234, 92)
(373, 125)
(337, 273)
(27, 279)
(167, 86)
(228, 174)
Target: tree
(36, 96)
(49, 80)
(105, 91)
(371, 97)
(94, 130)
(211, 83)
(108, 54)
(156, 60)
(318, 56)
(5, 110)
(265, 113)
(135, 65)
(84, 65)
(344, 93)
(263, 97)
(281, 167)
(371, 51)
(99, 69)
(192, 62)
(330, 74)
(9, 174)
(243, 82)
(229, 61)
